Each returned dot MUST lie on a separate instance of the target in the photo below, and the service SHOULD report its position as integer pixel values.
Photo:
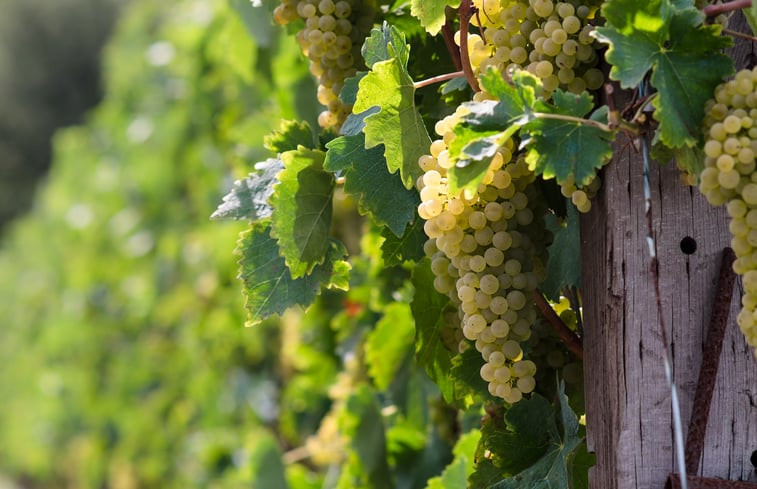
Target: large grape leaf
(682, 52)
(559, 143)
(427, 307)
(455, 475)
(566, 148)
(518, 439)
(431, 13)
(268, 284)
(395, 250)
(248, 198)
(564, 263)
(378, 192)
(486, 126)
(551, 471)
(389, 342)
(466, 374)
(302, 201)
(397, 125)
(289, 136)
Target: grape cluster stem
(448, 34)
(569, 338)
(438, 79)
(739, 34)
(465, 16)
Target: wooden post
(628, 407)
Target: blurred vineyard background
(125, 363)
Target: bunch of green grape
(729, 177)
(487, 250)
(331, 39)
(552, 41)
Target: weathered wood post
(628, 409)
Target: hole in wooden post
(753, 459)
(688, 245)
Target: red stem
(465, 15)
(717, 9)
(438, 79)
(449, 41)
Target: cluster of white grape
(331, 39)
(550, 40)
(487, 252)
(729, 177)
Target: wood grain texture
(629, 421)
(628, 401)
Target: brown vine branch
(739, 34)
(449, 40)
(465, 16)
(717, 9)
(438, 79)
(572, 342)
(708, 371)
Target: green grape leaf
(289, 136)
(268, 284)
(683, 54)
(408, 247)
(355, 123)
(521, 437)
(487, 125)
(485, 474)
(389, 343)
(688, 158)
(348, 95)
(564, 263)
(361, 422)
(466, 374)
(378, 192)
(385, 44)
(455, 475)
(397, 125)
(468, 173)
(248, 198)
(551, 471)
(431, 13)
(302, 202)
(563, 148)
(455, 84)
(427, 307)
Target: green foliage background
(49, 76)
(125, 363)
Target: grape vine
(484, 218)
